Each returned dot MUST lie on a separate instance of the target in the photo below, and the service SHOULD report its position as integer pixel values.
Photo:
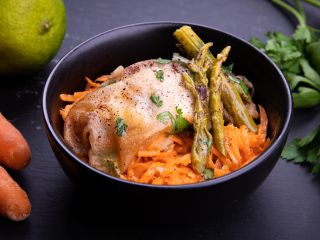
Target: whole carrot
(14, 202)
(14, 149)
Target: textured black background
(286, 206)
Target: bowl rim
(228, 177)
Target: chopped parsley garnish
(179, 123)
(162, 60)
(243, 86)
(121, 127)
(179, 111)
(165, 117)
(208, 173)
(109, 161)
(228, 71)
(156, 100)
(160, 75)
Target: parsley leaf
(121, 127)
(293, 152)
(178, 123)
(228, 69)
(303, 33)
(305, 150)
(179, 111)
(162, 60)
(165, 117)
(156, 100)
(309, 138)
(306, 97)
(160, 75)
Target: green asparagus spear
(191, 42)
(198, 86)
(202, 140)
(234, 105)
(215, 105)
(244, 96)
(200, 65)
(247, 100)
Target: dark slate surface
(286, 206)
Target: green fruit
(31, 32)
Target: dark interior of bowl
(127, 45)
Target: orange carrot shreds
(262, 130)
(91, 84)
(243, 145)
(171, 172)
(221, 172)
(245, 150)
(232, 145)
(73, 97)
(266, 144)
(146, 153)
(210, 163)
(225, 161)
(64, 111)
(103, 78)
(182, 144)
(217, 163)
(163, 167)
(171, 165)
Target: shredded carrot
(173, 165)
(77, 96)
(91, 85)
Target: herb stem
(293, 11)
(300, 9)
(315, 3)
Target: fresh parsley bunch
(298, 56)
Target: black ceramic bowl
(126, 45)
